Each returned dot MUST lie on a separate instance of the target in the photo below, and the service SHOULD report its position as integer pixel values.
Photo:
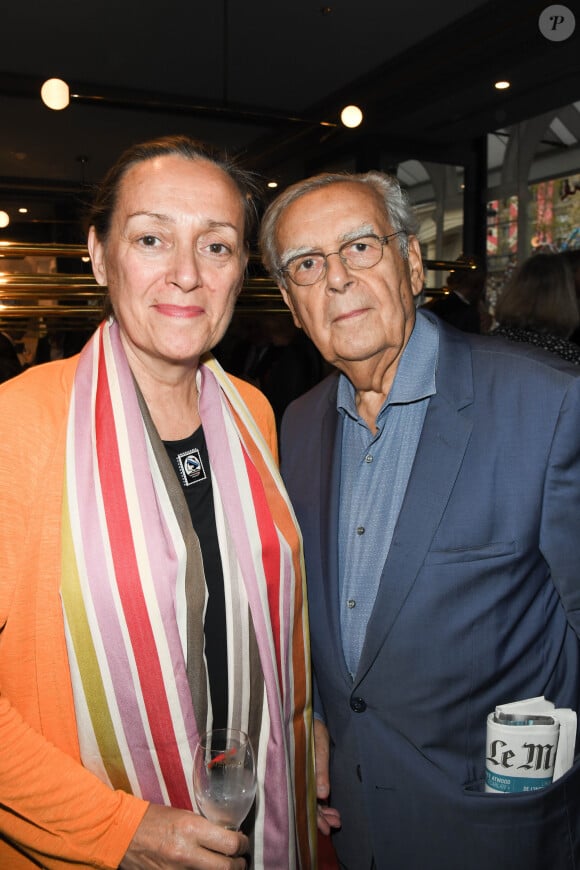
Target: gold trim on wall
(73, 301)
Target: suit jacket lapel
(330, 459)
(444, 438)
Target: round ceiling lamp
(502, 85)
(55, 94)
(4, 219)
(351, 116)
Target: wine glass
(224, 776)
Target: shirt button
(351, 603)
(368, 458)
(360, 530)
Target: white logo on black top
(191, 467)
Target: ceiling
(257, 78)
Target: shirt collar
(415, 376)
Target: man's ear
(97, 255)
(288, 301)
(416, 270)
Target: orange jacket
(52, 810)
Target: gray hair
(394, 199)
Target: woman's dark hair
(101, 211)
(540, 296)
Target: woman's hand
(168, 838)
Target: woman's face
(173, 261)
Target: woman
(124, 634)
(539, 306)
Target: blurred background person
(291, 366)
(10, 365)
(464, 306)
(275, 356)
(572, 257)
(539, 306)
(151, 584)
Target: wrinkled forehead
(329, 214)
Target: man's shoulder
(522, 359)
(314, 401)
(302, 421)
(491, 352)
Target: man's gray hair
(397, 210)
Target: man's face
(352, 316)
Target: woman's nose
(184, 270)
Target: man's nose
(338, 275)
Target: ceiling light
(55, 94)
(351, 116)
(502, 85)
(22, 211)
(4, 219)
(273, 184)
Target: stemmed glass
(224, 776)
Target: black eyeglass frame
(383, 240)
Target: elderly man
(436, 478)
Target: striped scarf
(134, 595)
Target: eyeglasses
(362, 253)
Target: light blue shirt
(375, 472)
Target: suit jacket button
(358, 705)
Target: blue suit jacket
(479, 604)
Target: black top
(554, 343)
(457, 311)
(190, 459)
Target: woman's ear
(97, 255)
